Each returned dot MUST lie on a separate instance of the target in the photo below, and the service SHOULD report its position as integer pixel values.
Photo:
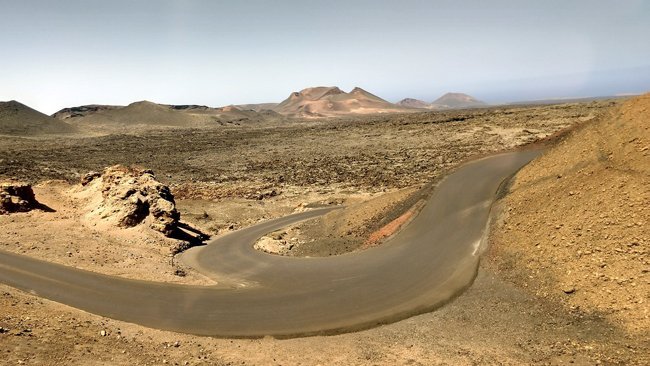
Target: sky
(58, 54)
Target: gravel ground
(589, 200)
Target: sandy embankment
(576, 227)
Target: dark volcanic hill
(21, 120)
(81, 111)
(331, 101)
(142, 113)
(148, 115)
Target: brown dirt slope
(577, 220)
(341, 231)
(21, 120)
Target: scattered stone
(259, 195)
(569, 289)
(102, 333)
(179, 247)
(271, 244)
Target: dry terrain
(229, 177)
(589, 198)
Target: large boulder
(131, 196)
(16, 197)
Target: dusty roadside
(575, 225)
(65, 234)
(494, 323)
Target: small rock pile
(276, 243)
(132, 196)
(16, 197)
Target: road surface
(434, 258)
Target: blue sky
(65, 53)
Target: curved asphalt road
(426, 264)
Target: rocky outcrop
(16, 197)
(131, 196)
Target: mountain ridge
(147, 115)
(330, 101)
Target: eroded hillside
(576, 224)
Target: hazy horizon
(219, 53)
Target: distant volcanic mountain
(331, 101)
(457, 101)
(21, 120)
(142, 113)
(148, 115)
(414, 103)
(447, 101)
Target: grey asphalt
(433, 259)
